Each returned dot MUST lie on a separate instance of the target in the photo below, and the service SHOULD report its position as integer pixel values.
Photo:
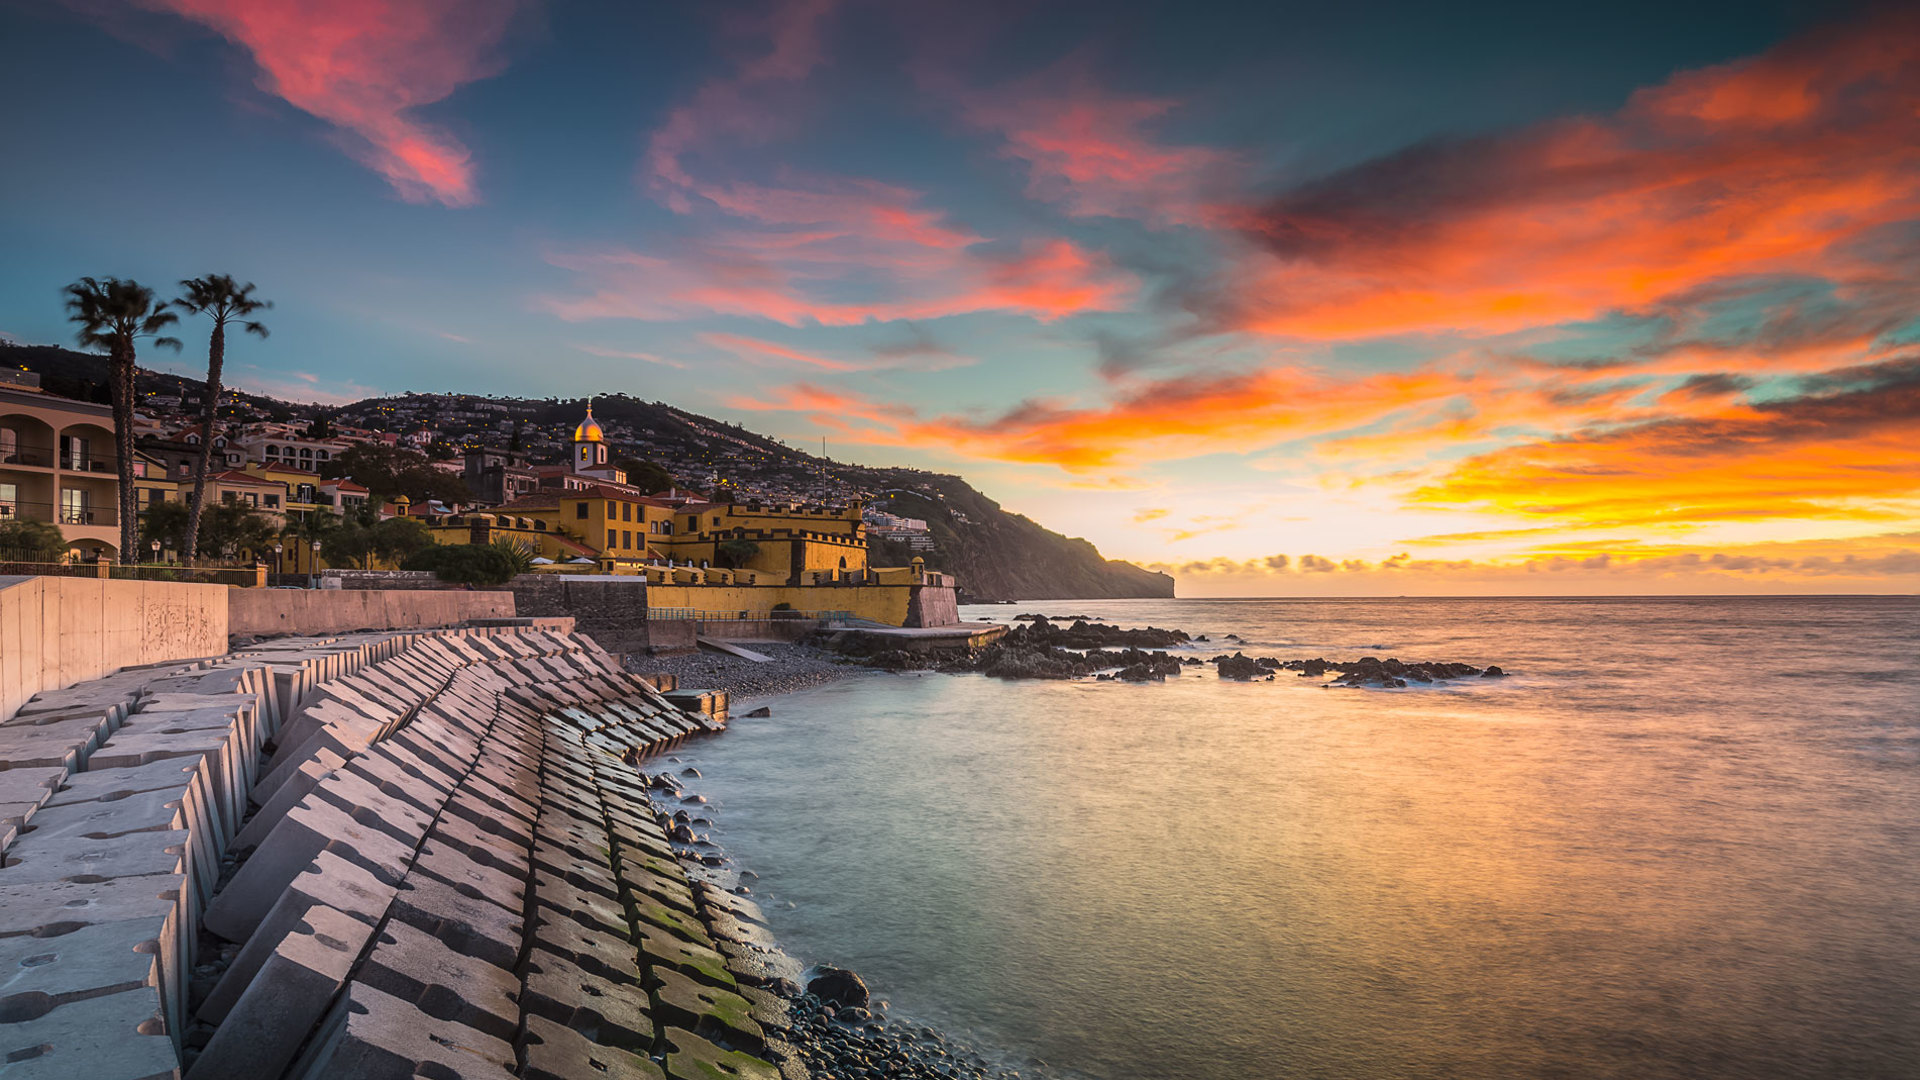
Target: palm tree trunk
(209, 416)
(121, 381)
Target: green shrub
(465, 564)
(32, 541)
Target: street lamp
(155, 545)
(277, 548)
(314, 576)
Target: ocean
(1682, 840)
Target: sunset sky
(1284, 299)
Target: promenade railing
(704, 615)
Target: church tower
(589, 445)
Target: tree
(231, 529)
(467, 564)
(734, 554)
(522, 552)
(32, 541)
(389, 472)
(645, 475)
(357, 542)
(165, 522)
(223, 300)
(397, 538)
(114, 314)
(348, 544)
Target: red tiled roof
(233, 477)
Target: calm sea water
(1683, 842)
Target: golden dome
(589, 429)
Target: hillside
(1002, 556)
(995, 554)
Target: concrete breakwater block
(446, 985)
(32, 861)
(294, 789)
(308, 829)
(609, 1013)
(555, 1052)
(661, 950)
(84, 962)
(119, 1036)
(23, 792)
(129, 748)
(376, 1036)
(708, 1010)
(286, 996)
(467, 923)
(691, 1057)
(329, 882)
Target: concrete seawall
(260, 612)
(57, 631)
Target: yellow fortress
(700, 555)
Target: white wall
(57, 631)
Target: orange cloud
(365, 66)
(1796, 162)
(1843, 450)
(1170, 418)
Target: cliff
(1003, 556)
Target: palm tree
(224, 300)
(113, 314)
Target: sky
(1283, 299)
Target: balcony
(22, 510)
(44, 457)
(22, 454)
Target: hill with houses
(939, 516)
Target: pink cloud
(365, 66)
(800, 248)
(1092, 153)
(1044, 280)
(753, 350)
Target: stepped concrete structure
(391, 854)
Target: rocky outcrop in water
(1044, 649)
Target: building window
(73, 507)
(9, 501)
(580, 511)
(273, 500)
(626, 539)
(611, 535)
(74, 452)
(613, 510)
(626, 511)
